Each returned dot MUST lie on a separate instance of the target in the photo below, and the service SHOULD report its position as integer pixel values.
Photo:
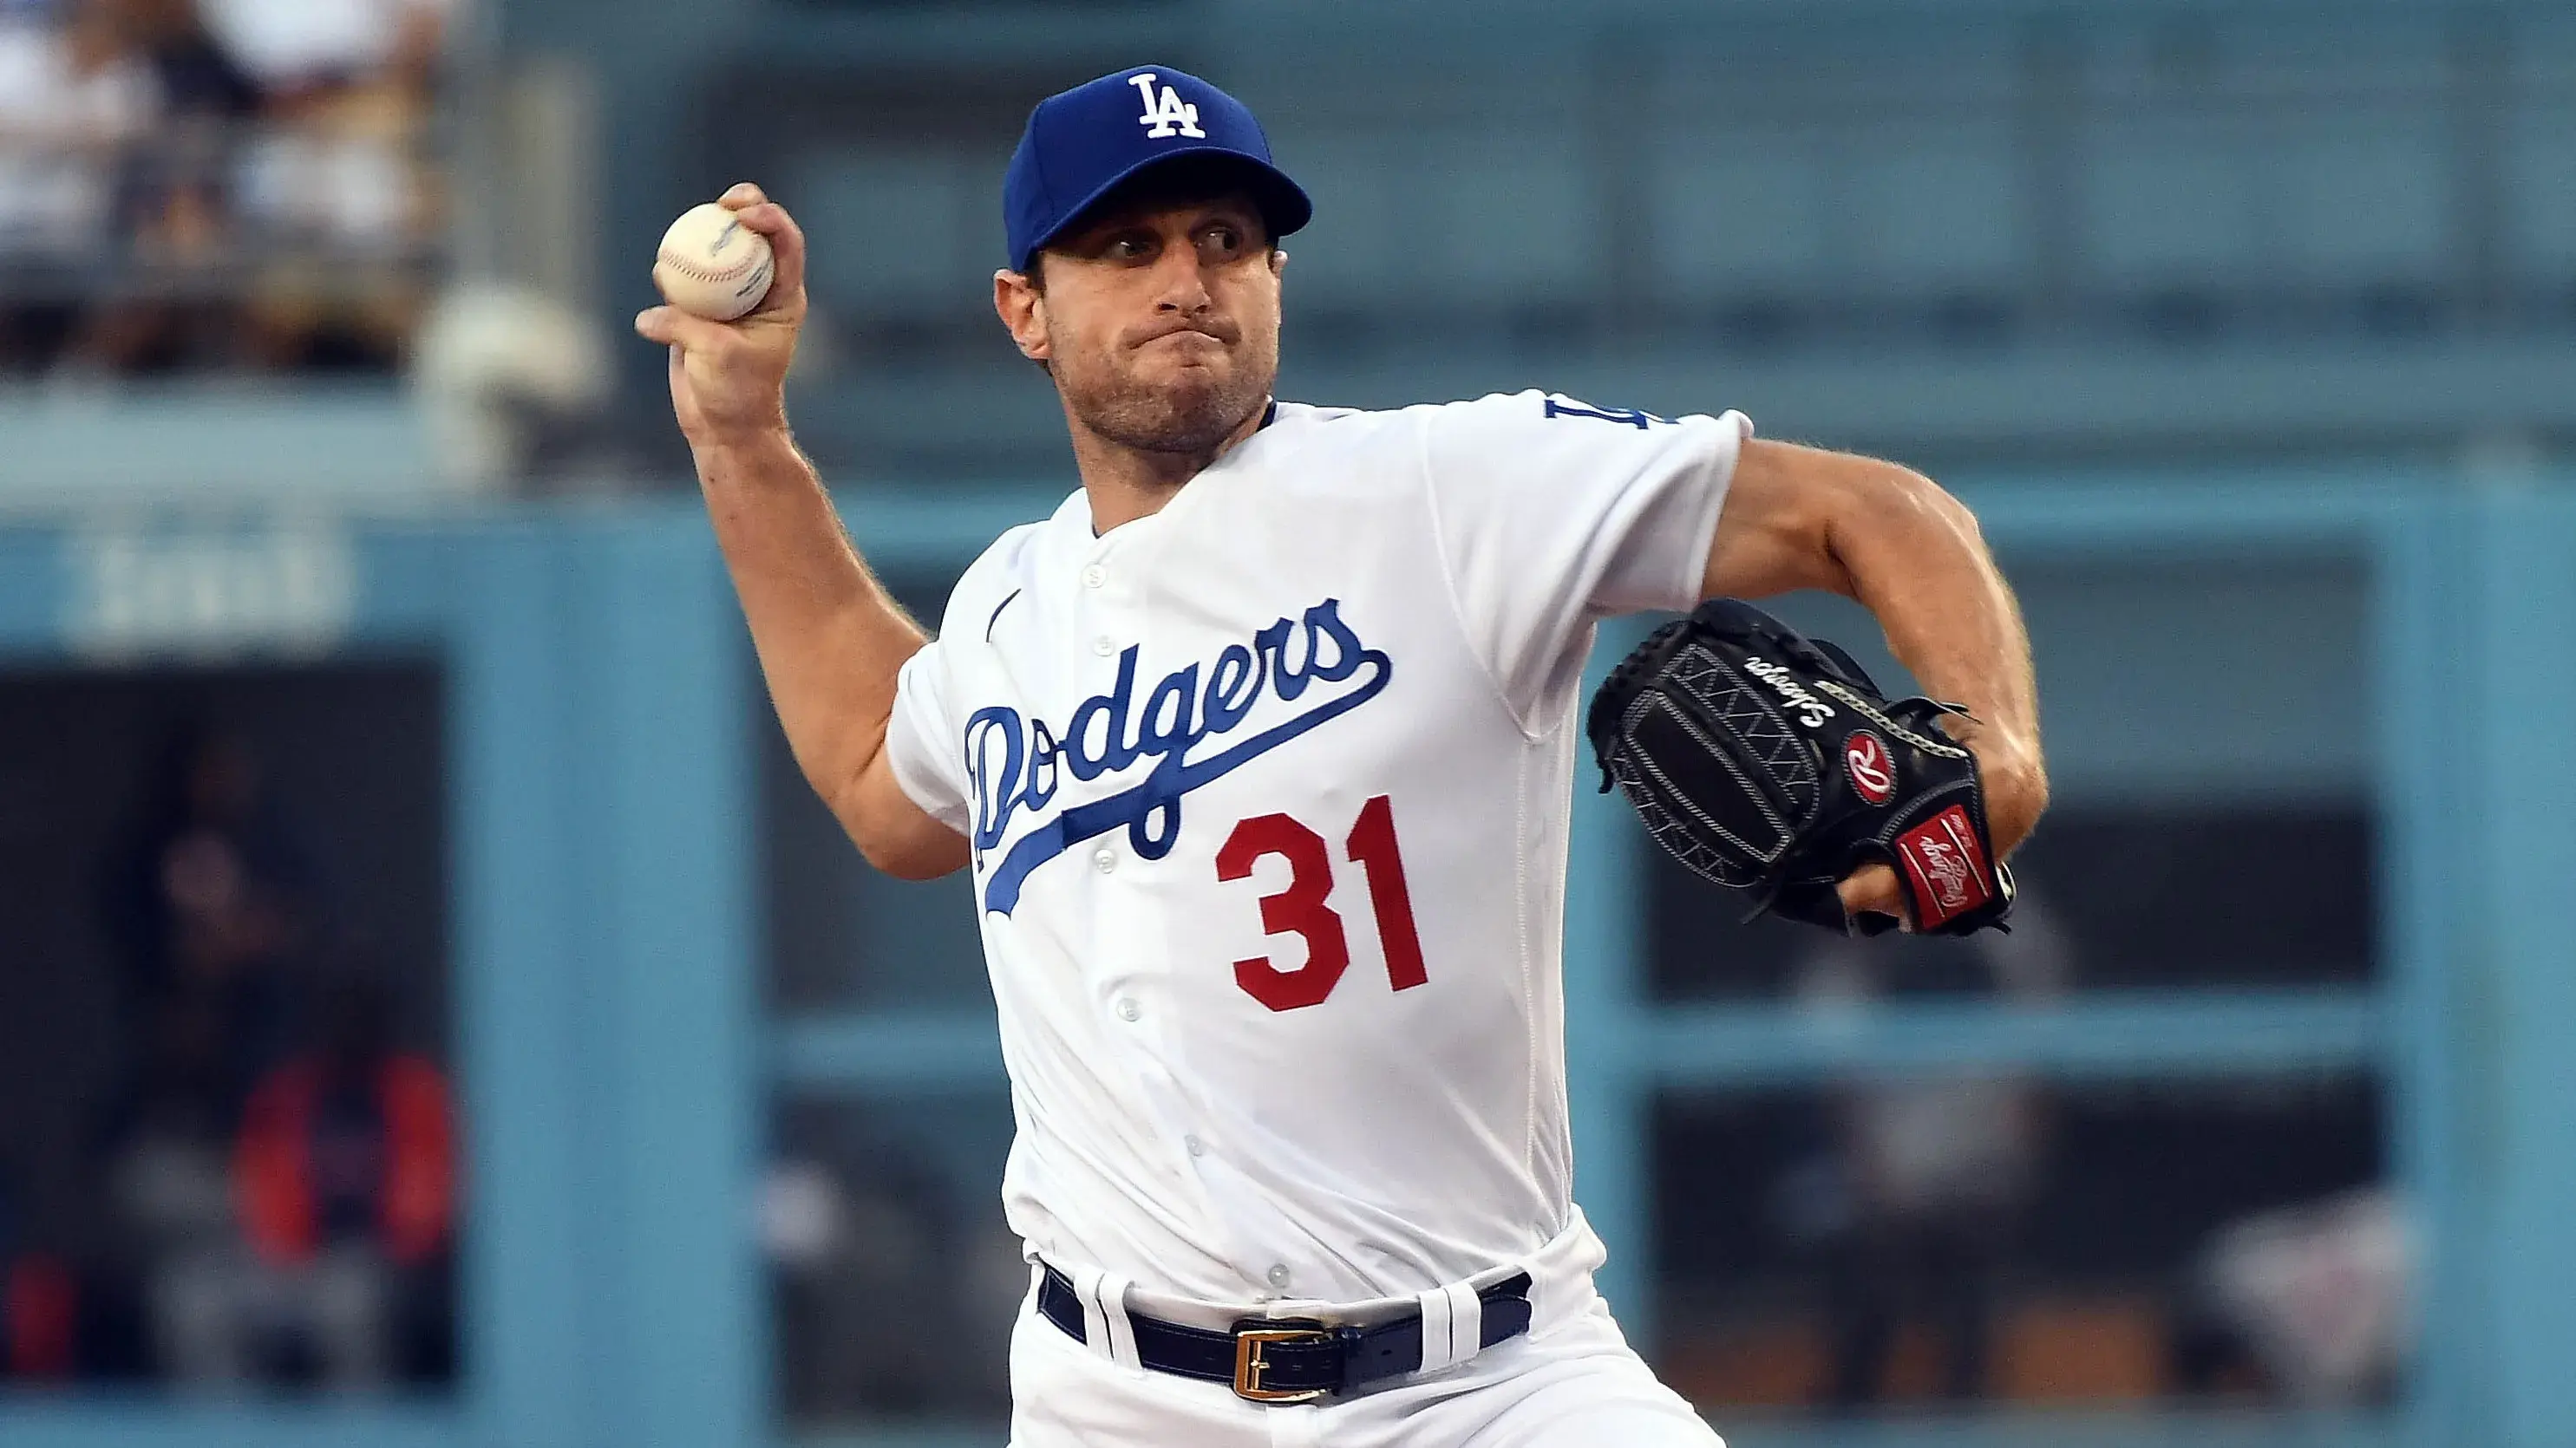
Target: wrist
(2015, 783)
(753, 440)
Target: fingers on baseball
(786, 249)
(757, 212)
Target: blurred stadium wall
(373, 694)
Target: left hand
(2016, 790)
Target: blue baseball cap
(1082, 143)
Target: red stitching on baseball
(684, 266)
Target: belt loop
(1453, 1324)
(1106, 1328)
(1437, 1344)
(1466, 1321)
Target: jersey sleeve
(921, 746)
(1552, 515)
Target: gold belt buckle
(1250, 1345)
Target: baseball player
(1260, 751)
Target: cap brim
(1284, 204)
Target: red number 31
(1300, 910)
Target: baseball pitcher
(1260, 750)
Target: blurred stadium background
(433, 1016)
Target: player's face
(1160, 322)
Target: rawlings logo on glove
(1734, 736)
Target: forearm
(1914, 556)
(829, 637)
(1920, 565)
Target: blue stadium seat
(1343, 258)
(2255, 203)
(2540, 196)
(1810, 212)
(1938, 209)
(1514, 217)
(908, 236)
(2538, 163)
(2265, 158)
(1739, 217)
(2366, 201)
(2166, 204)
(1449, 217)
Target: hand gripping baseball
(728, 379)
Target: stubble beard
(1190, 418)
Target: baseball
(711, 265)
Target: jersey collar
(1269, 415)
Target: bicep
(1776, 532)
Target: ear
(1022, 309)
(1278, 259)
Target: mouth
(1185, 336)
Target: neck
(1127, 483)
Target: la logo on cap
(1165, 116)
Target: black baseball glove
(1769, 762)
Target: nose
(1179, 285)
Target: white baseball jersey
(1268, 794)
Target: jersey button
(1105, 646)
(1278, 1274)
(1128, 1010)
(1105, 861)
(1094, 576)
(1196, 1146)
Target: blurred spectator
(346, 86)
(515, 385)
(893, 1295)
(74, 98)
(74, 93)
(1916, 1201)
(303, 51)
(2312, 1301)
(174, 230)
(213, 897)
(168, 1158)
(39, 1305)
(343, 1175)
(202, 88)
(237, 182)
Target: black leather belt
(1288, 1359)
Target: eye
(1221, 239)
